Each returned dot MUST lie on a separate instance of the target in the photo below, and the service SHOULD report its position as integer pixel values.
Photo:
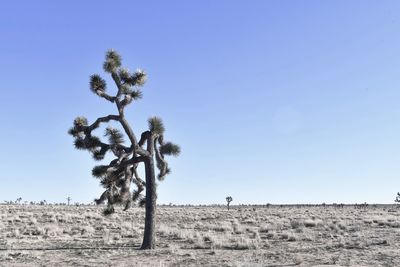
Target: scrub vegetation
(201, 236)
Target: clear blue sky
(271, 101)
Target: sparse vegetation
(208, 234)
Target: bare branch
(128, 130)
(117, 81)
(144, 137)
(162, 165)
(106, 96)
(102, 119)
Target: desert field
(34, 235)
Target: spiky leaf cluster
(79, 143)
(124, 75)
(115, 137)
(100, 171)
(80, 121)
(128, 80)
(156, 125)
(89, 142)
(139, 78)
(170, 149)
(79, 125)
(97, 84)
(136, 94)
(112, 62)
(99, 154)
(123, 79)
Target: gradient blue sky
(271, 101)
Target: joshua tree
(229, 200)
(397, 200)
(18, 200)
(150, 149)
(68, 199)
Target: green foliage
(136, 94)
(97, 84)
(79, 143)
(126, 89)
(112, 62)
(78, 128)
(170, 149)
(113, 56)
(115, 137)
(100, 171)
(98, 154)
(74, 132)
(80, 121)
(139, 78)
(92, 142)
(124, 74)
(156, 125)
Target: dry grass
(201, 236)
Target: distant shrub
(311, 223)
(296, 224)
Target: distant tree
(18, 201)
(150, 149)
(68, 199)
(397, 200)
(229, 200)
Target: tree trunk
(151, 198)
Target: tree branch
(106, 96)
(144, 136)
(102, 119)
(161, 163)
(117, 83)
(102, 198)
(128, 131)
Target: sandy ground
(201, 236)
